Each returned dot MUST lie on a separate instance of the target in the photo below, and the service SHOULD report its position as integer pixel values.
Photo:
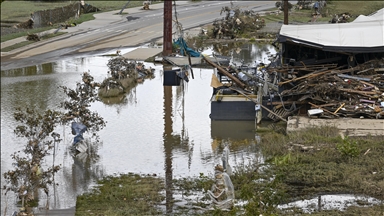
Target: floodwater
(153, 129)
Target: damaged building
(342, 43)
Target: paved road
(110, 31)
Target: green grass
(14, 12)
(129, 194)
(355, 8)
(20, 10)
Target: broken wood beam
(226, 73)
(309, 75)
(337, 110)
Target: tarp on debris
(184, 49)
(355, 37)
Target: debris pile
(340, 18)
(123, 75)
(236, 22)
(33, 37)
(331, 92)
(25, 25)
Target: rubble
(236, 22)
(331, 89)
(123, 74)
(33, 37)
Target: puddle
(331, 202)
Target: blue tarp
(78, 129)
(184, 48)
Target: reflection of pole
(167, 28)
(168, 144)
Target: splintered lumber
(226, 73)
(325, 110)
(339, 108)
(358, 92)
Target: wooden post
(167, 28)
(285, 12)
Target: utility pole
(285, 12)
(167, 30)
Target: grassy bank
(11, 16)
(14, 11)
(354, 8)
(299, 165)
(129, 194)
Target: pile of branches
(25, 25)
(236, 22)
(33, 37)
(356, 92)
(124, 74)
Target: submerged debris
(123, 75)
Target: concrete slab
(346, 126)
(141, 54)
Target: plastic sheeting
(78, 129)
(184, 49)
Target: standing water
(153, 129)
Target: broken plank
(325, 110)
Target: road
(109, 31)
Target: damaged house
(334, 70)
(352, 43)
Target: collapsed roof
(364, 35)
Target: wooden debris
(346, 92)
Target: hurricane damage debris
(337, 74)
(236, 22)
(322, 71)
(25, 25)
(123, 74)
(331, 91)
(33, 37)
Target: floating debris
(123, 75)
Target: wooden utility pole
(167, 30)
(285, 12)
